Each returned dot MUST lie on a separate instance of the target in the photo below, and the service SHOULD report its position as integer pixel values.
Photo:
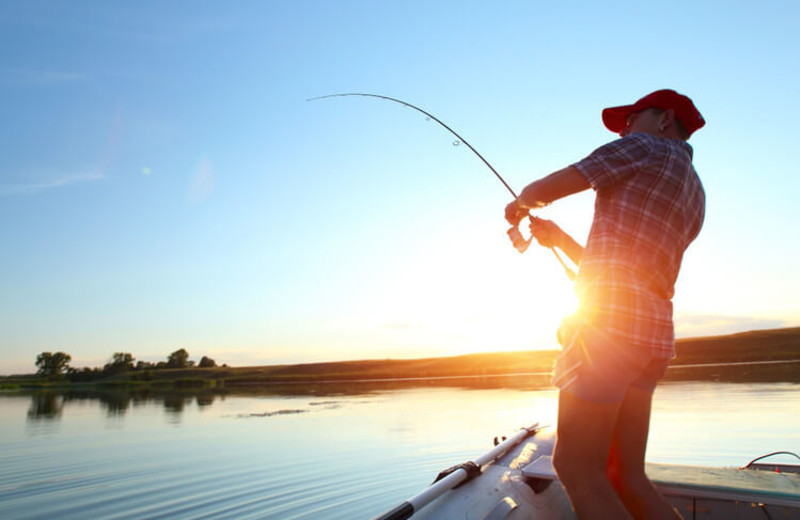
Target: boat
(515, 480)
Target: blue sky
(165, 184)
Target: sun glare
(485, 301)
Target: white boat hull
(521, 484)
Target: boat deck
(706, 492)
(728, 492)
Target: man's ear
(667, 117)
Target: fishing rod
(513, 233)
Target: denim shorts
(596, 367)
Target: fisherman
(649, 207)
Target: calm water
(338, 453)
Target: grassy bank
(747, 350)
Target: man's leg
(626, 459)
(583, 441)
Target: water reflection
(50, 405)
(205, 400)
(174, 404)
(531, 381)
(46, 406)
(116, 404)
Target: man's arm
(553, 187)
(539, 194)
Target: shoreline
(764, 355)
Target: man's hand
(515, 213)
(546, 232)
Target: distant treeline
(765, 355)
(55, 366)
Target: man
(649, 207)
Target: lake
(333, 452)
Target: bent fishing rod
(514, 233)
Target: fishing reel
(519, 242)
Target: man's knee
(623, 474)
(627, 483)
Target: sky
(165, 183)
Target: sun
(483, 300)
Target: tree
(207, 362)
(84, 374)
(52, 365)
(178, 359)
(120, 362)
(125, 359)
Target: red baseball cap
(616, 118)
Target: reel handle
(517, 240)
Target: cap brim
(616, 118)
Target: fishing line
(516, 237)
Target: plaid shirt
(649, 207)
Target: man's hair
(681, 130)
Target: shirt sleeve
(616, 161)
